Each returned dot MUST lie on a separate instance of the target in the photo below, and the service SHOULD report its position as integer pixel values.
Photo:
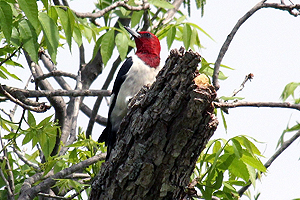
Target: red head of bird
(148, 47)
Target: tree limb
(257, 104)
(30, 192)
(17, 92)
(225, 46)
(54, 73)
(228, 40)
(123, 4)
(27, 162)
(39, 107)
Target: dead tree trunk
(162, 136)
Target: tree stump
(162, 136)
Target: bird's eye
(148, 35)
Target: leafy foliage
(226, 165)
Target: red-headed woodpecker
(137, 71)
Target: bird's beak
(133, 32)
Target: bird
(137, 70)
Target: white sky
(267, 45)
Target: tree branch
(54, 73)
(257, 104)
(37, 107)
(27, 162)
(248, 77)
(31, 192)
(123, 4)
(17, 92)
(228, 40)
(225, 46)
(289, 8)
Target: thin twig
(257, 104)
(123, 4)
(283, 147)
(26, 161)
(10, 178)
(10, 193)
(11, 55)
(54, 73)
(248, 77)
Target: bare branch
(283, 147)
(54, 73)
(9, 181)
(248, 77)
(123, 4)
(81, 56)
(228, 40)
(41, 107)
(71, 118)
(169, 14)
(9, 191)
(257, 104)
(290, 8)
(27, 162)
(30, 192)
(50, 93)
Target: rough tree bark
(161, 137)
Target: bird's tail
(109, 137)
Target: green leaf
(8, 73)
(200, 29)
(238, 151)
(6, 20)
(136, 17)
(226, 161)
(161, 4)
(254, 162)
(219, 180)
(15, 37)
(186, 36)
(122, 44)
(289, 90)
(180, 19)
(224, 120)
(77, 35)
(252, 174)
(249, 145)
(195, 39)
(31, 11)
(45, 2)
(107, 45)
(171, 36)
(64, 20)
(239, 169)
(28, 137)
(51, 34)
(29, 39)
(217, 146)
